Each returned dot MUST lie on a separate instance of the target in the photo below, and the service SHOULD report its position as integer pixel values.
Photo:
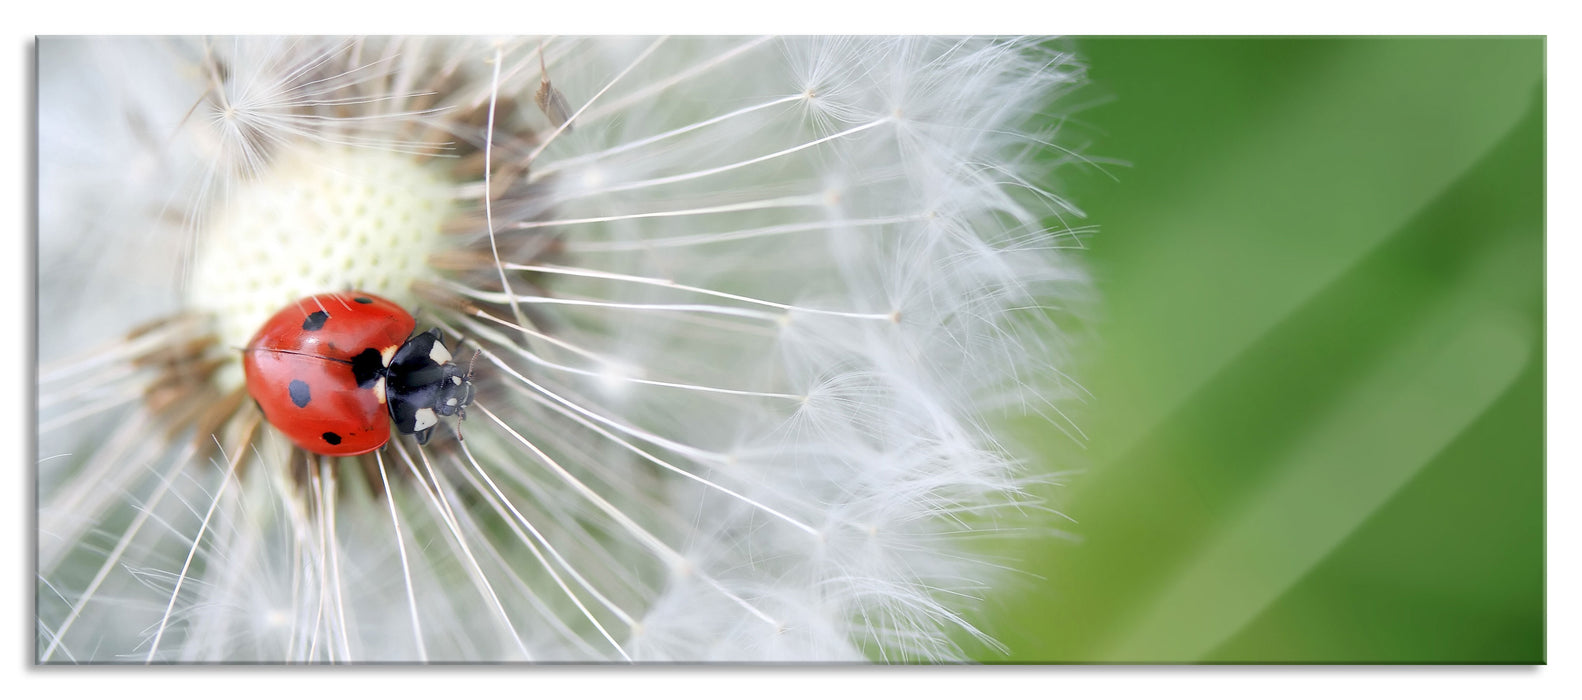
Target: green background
(1317, 426)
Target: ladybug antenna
(461, 411)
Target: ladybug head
(455, 396)
(455, 390)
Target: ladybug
(333, 371)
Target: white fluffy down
(800, 283)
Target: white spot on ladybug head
(379, 389)
(388, 354)
(424, 418)
(438, 354)
(456, 381)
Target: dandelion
(746, 314)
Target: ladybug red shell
(333, 371)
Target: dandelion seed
(742, 313)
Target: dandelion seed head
(744, 319)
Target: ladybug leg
(423, 435)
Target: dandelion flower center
(320, 218)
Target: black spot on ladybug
(315, 321)
(367, 367)
(332, 438)
(299, 393)
(362, 300)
